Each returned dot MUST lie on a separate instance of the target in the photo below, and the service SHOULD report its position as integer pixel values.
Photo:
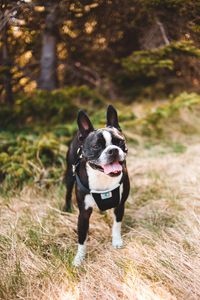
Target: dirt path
(161, 231)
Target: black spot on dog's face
(94, 145)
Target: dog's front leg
(83, 225)
(117, 241)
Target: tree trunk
(48, 62)
(6, 62)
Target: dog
(96, 162)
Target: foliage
(51, 108)
(148, 63)
(155, 122)
(159, 68)
(31, 158)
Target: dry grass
(161, 231)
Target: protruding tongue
(114, 167)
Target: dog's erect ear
(112, 118)
(84, 124)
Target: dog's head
(104, 149)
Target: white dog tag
(106, 195)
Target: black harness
(104, 199)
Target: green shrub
(148, 62)
(44, 107)
(158, 72)
(153, 123)
(31, 158)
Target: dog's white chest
(99, 181)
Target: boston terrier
(96, 162)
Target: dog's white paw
(78, 260)
(117, 243)
(80, 256)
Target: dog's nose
(113, 151)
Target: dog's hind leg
(69, 179)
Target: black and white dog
(96, 161)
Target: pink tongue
(112, 168)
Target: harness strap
(81, 186)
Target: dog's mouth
(112, 169)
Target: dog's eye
(120, 143)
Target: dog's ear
(84, 125)
(112, 118)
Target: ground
(161, 232)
